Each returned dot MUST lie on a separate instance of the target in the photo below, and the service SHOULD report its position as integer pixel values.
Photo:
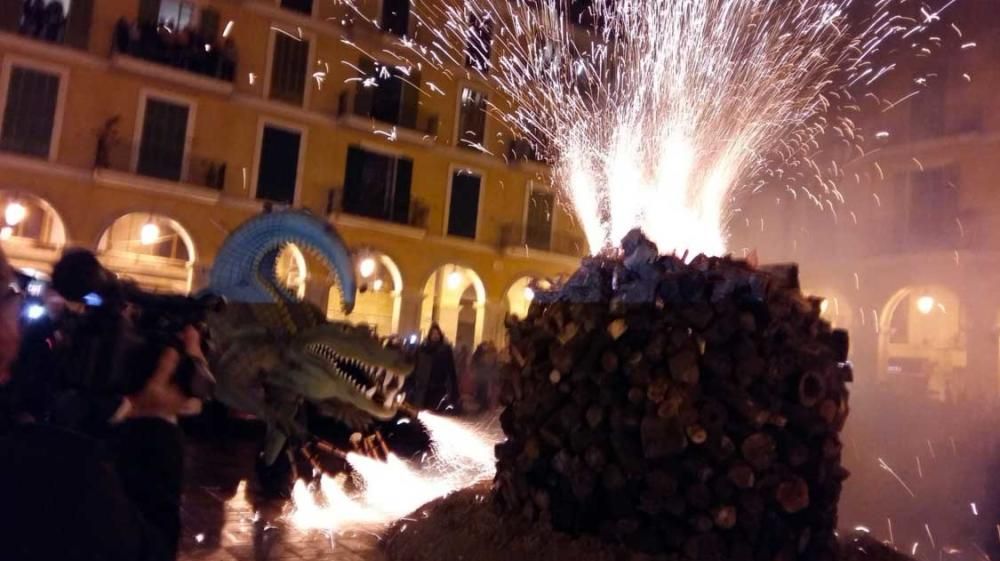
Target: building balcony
(517, 237)
(184, 169)
(420, 127)
(183, 50)
(414, 224)
(50, 23)
(522, 151)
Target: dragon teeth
(370, 393)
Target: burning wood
(684, 408)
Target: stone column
(318, 293)
(982, 351)
(410, 302)
(493, 327)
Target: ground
(224, 520)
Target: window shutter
(401, 193)
(363, 97)
(354, 188)
(149, 11)
(410, 102)
(78, 25)
(210, 24)
(10, 15)
(463, 212)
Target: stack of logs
(690, 410)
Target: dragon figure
(272, 353)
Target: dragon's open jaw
(380, 387)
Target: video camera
(113, 342)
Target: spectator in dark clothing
(485, 375)
(435, 381)
(66, 497)
(70, 497)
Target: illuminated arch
(154, 249)
(920, 339)
(379, 300)
(519, 295)
(33, 232)
(291, 270)
(32, 219)
(455, 298)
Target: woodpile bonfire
(677, 410)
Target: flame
(383, 492)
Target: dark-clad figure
(435, 381)
(72, 497)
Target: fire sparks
(655, 114)
(382, 492)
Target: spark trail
(655, 113)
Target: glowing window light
(925, 304)
(149, 234)
(366, 267)
(15, 213)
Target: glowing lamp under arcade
(454, 280)
(149, 234)
(366, 267)
(925, 304)
(529, 294)
(15, 213)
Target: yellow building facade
(147, 130)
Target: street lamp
(366, 267)
(149, 234)
(15, 213)
(925, 304)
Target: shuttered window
(164, 137)
(279, 165)
(30, 113)
(538, 230)
(377, 185)
(396, 16)
(472, 119)
(463, 209)
(288, 68)
(301, 6)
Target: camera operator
(68, 495)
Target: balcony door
(377, 185)
(163, 140)
(538, 220)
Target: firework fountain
(658, 115)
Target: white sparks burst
(653, 113)
(386, 491)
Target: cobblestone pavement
(223, 520)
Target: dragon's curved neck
(245, 267)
